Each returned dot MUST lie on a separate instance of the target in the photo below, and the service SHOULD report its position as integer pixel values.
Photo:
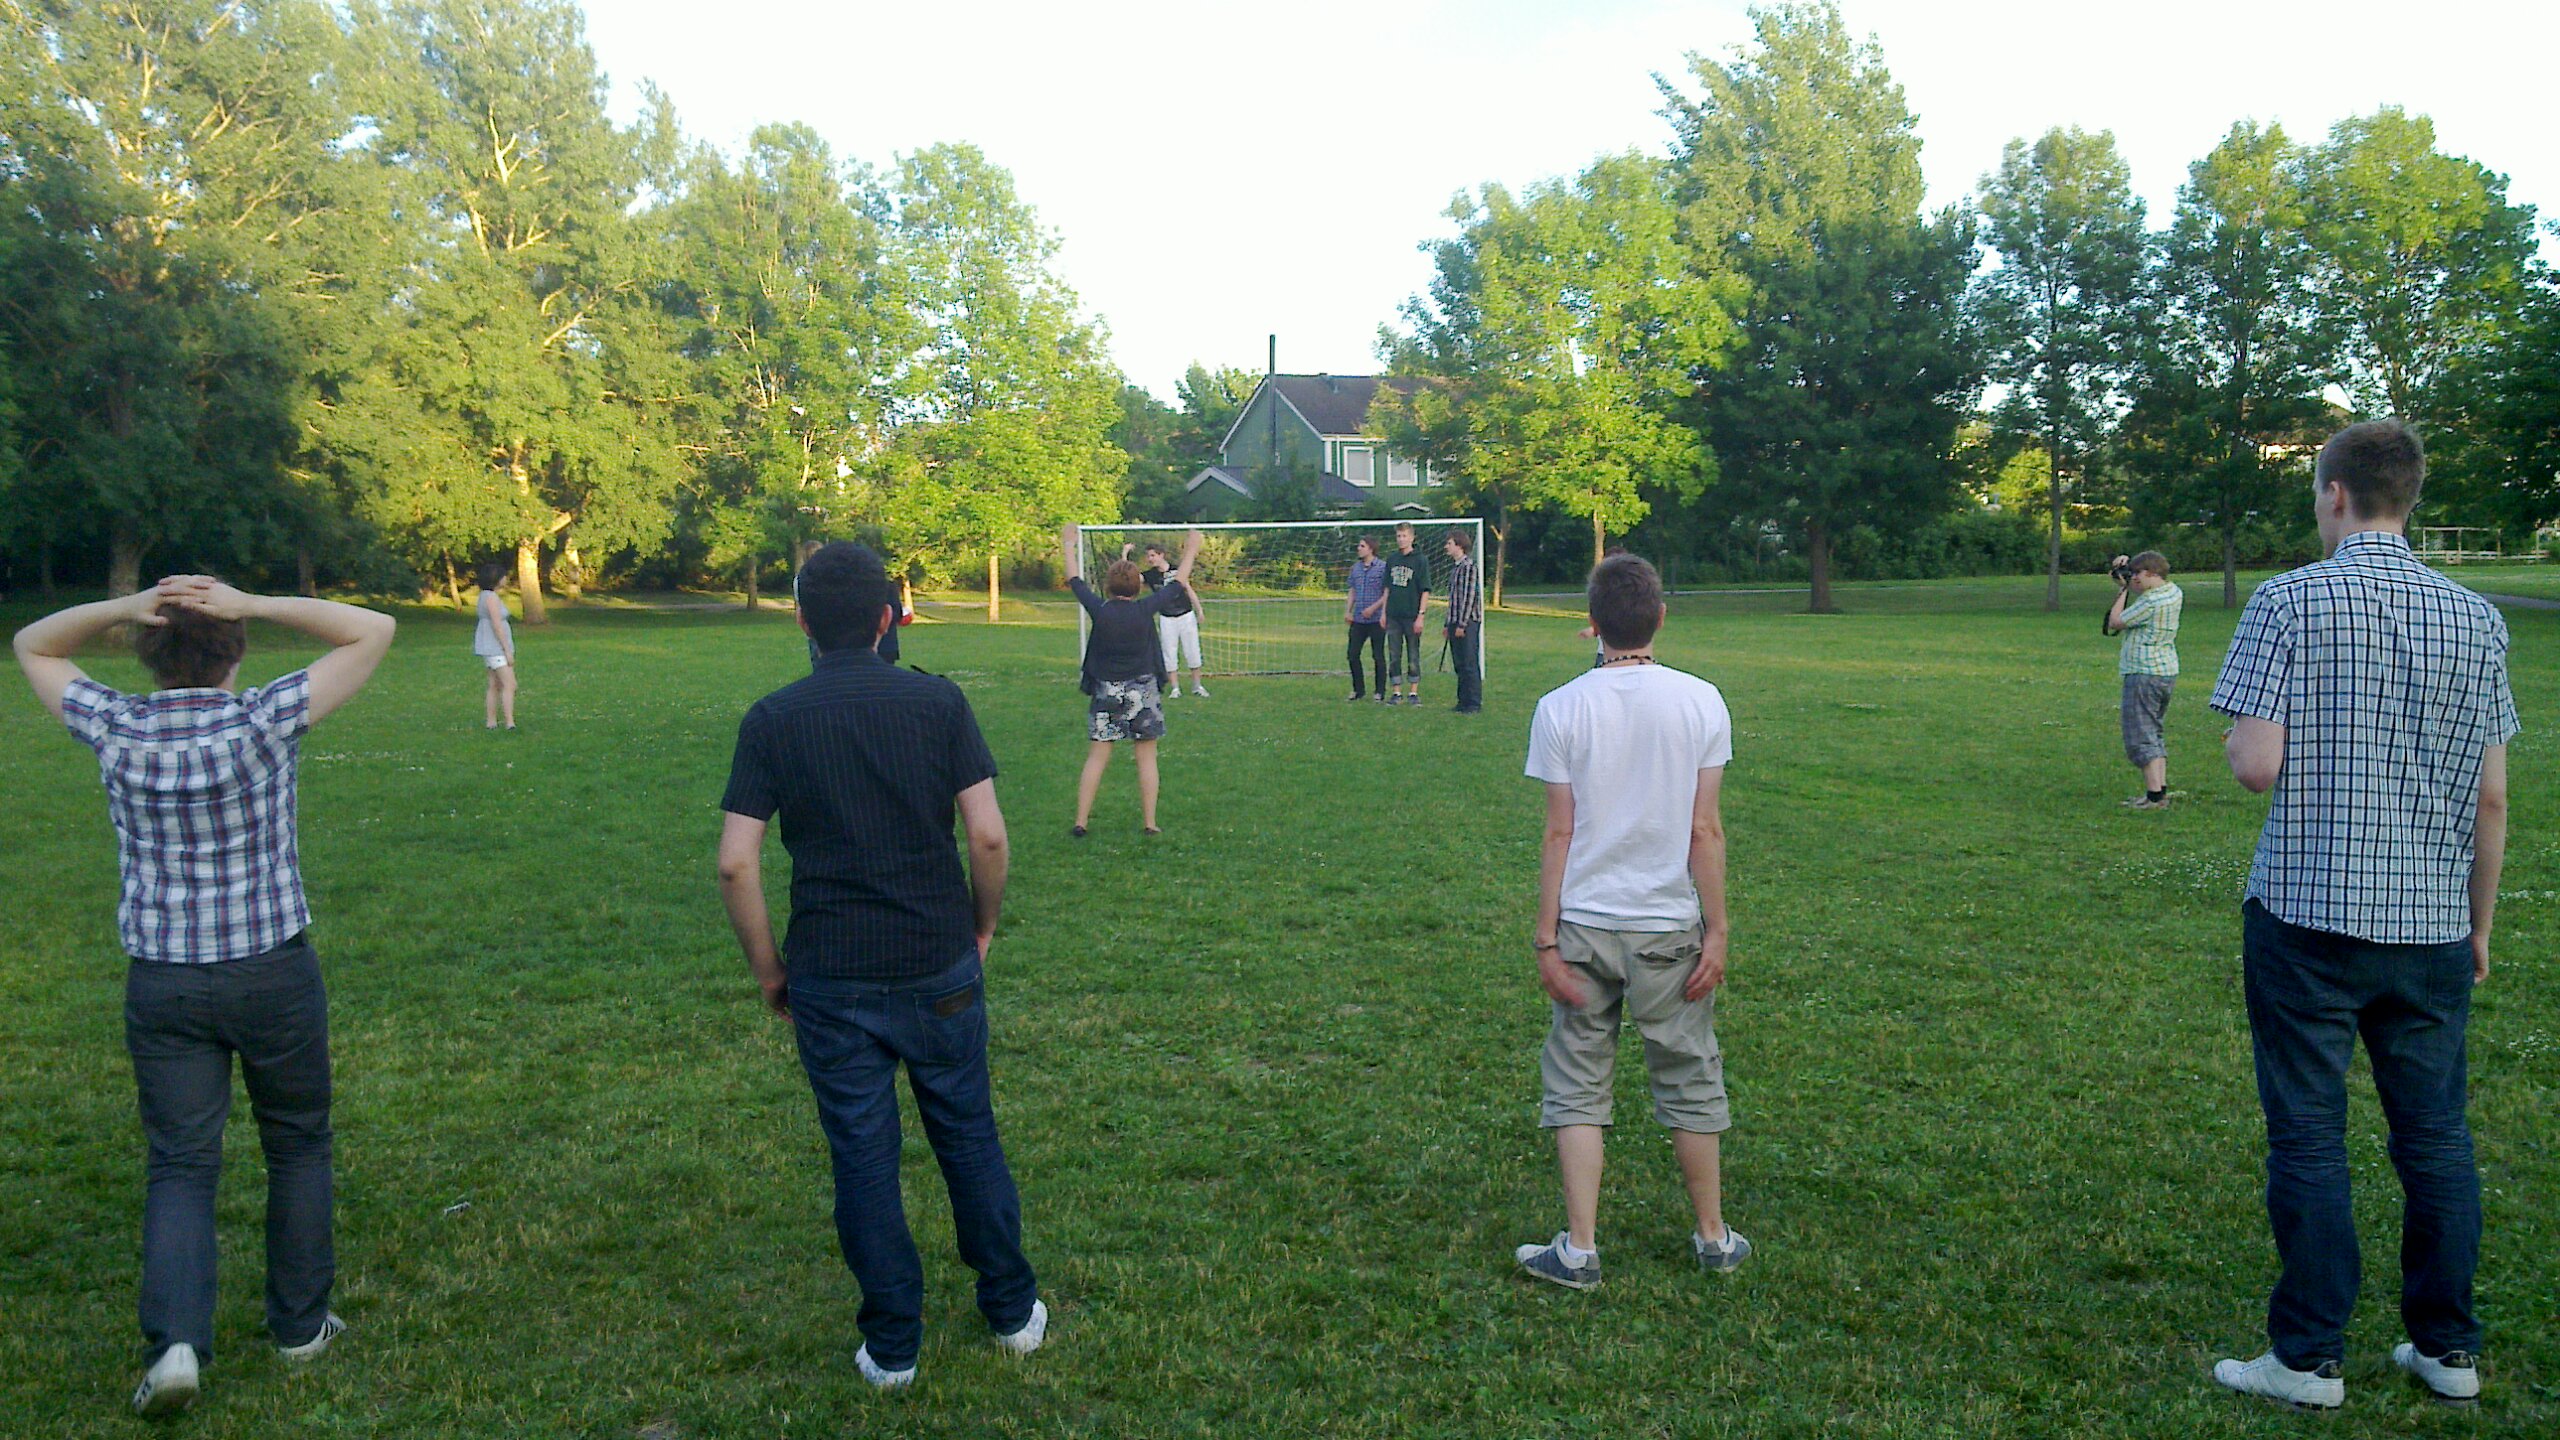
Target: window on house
(1401, 471)
(1360, 464)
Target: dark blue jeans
(853, 1036)
(182, 1024)
(1467, 654)
(2311, 994)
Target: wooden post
(995, 603)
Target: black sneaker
(1547, 1262)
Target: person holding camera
(2145, 612)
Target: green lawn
(1269, 1081)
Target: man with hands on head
(201, 786)
(1631, 915)
(883, 964)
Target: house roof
(1331, 489)
(1334, 406)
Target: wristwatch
(1536, 944)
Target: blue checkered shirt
(200, 784)
(2390, 680)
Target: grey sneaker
(879, 1377)
(2453, 1377)
(2269, 1378)
(1547, 1263)
(169, 1386)
(331, 1327)
(1725, 1255)
(1033, 1331)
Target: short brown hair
(1123, 579)
(2151, 562)
(1626, 601)
(2381, 465)
(1465, 542)
(193, 651)
(1404, 527)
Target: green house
(1316, 426)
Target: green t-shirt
(2150, 624)
(1408, 575)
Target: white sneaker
(1033, 1331)
(169, 1386)
(881, 1379)
(2454, 1377)
(1199, 689)
(2271, 1379)
(331, 1327)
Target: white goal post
(1272, 595)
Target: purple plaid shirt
(200, 784)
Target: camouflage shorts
(1127, 710)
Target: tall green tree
(2061, 315)
(1799, 172)
(162, 168)
(793, 315)
(528, 380)
(2419, 253)
(1572, 322)
(2240, 348)
(1000, 426)
(2496, 450)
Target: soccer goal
(1271, 596)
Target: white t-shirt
(1630, 740)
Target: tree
(1799, 171)
(164, 168)
(525, 388)
(2060, 315)
(2496, 458)
(2419, 252)
(1001, 419)
(1570, 321)
(2240, 349)
(792, 316)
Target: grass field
(1269, 1081)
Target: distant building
(1316, 426)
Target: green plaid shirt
(2150, 625)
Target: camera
(2121, 569)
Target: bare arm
(988, 854)
(1706, 871)
(2115, 612)
(1071, 545)
(45, 647)
(2255, 749)
(742, 893)
(1553, 973)
(358, 637)
(2488, 855)
(1190, 552)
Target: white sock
(1577, 1258)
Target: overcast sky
(1220, 172)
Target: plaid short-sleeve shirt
(2390, 680)
(200, 784)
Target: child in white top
(494, 641)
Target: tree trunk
(124, 558)
(2053, 545)
(1599, 540)
(1817, 553)
(570, 572)
(995, 604)
(755, 563)
(2230, 571)
(305, 582)
(452, 583)
(529, 581)
(1501, 558)
(44, 568)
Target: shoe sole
(168, 1400)
(1556, 1280)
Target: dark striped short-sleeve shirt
(863, 763)
(2390, 681)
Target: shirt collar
(2373, 540)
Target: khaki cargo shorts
(1639, 974)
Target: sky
(1219, 173)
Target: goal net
(1272, 596)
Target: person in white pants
(1177, 626)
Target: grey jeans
(183, 1023)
